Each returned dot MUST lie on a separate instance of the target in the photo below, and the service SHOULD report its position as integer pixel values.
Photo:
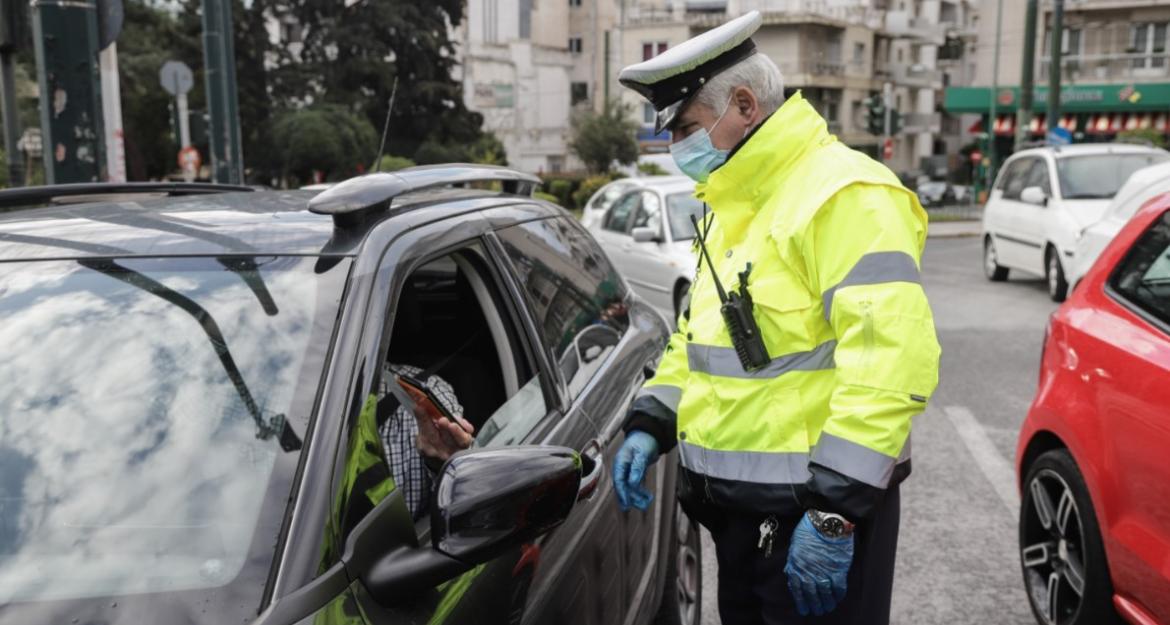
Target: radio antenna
(386, 128)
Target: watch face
(833, 526)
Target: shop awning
(1133, 97)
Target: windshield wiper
(266, 428)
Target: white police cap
(672, 78)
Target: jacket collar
(758, 166)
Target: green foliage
(488, 150)
(600, 139)
(563, 190)
(393, 163)
(548, 197)
(588, 187)
(651, 169)
(1146, 136)
(326, 138)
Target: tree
(328, 139)
(1147, 136)
(600, 139)
(352, 55)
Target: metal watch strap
(831, 524)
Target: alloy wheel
(1054, 551)
(688, 584)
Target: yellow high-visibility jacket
(835, 243)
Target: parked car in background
(1042, 200)
(595, 208)
(647, 231)
(935, 193)
(1141, 187)
(195, 409)
(1095, 518)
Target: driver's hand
(439, 437)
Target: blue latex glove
(817, 568)
(636, 454)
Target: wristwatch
(830, 524)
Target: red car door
(1128, 337)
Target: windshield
(151, 417)
(1100, 176)
(680, 207)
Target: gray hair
(758, 73)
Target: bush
(328, 139)
(1147, 136)
(600, 140)
(547, 197)
(561, 189)
(651, 169)
(588, 187)
(393, 163)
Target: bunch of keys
(767, 529)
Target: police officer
(808, 347)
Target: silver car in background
(647, 232)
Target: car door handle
(592, 455)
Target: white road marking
(994, 466)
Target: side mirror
(1034, 195)
(486, 502)
(645, 235)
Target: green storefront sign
(1133, 97)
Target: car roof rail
(44, 195)
(358, 197)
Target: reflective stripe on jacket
(835, 242)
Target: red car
(1094, 453)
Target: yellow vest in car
(834, 241)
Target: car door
(1131, 353)
(594, 569)
(1035, 221)
(1003, 219)
(614, 233)
(649, 269)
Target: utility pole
(888, 105)
(1027, 82)
(991, 156)
(10, 12)
(1054, 66)
(219, 60)
(66, 43)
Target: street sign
(976, 157)
(176, 78)
(110, 18)
(30, 143)
(190, 161)
(1059, 136)
(888, 149)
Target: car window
(576, 296)
(1143, 278)
(151, 421)
(649, 213)
(608, 195)
(1038, 176)
(1015, 177)
(617, 219)
(1100, 176)
(680, 208)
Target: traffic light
(875, 115)
(896, 122)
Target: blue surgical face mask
(696, 156)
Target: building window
(652, 49)
(575, 44)
(1148, 43)
(858, 53)
(579, 92)
(574, 3)
(898, 54)
(1070, 42)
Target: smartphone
(424, 399)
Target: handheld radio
(737, 314)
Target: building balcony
(824, 11)
(915, 75)
(915, 123)
(901, 24)
(636, 14)
(1110, 68)
(813, 73)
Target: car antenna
(386, 128)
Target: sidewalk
(953, 229)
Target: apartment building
(1115, 70)
(837, 53)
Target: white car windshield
(1100, 176)
(680, 207)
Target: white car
(1043, 199)
(647, 233)
(595, 208)
(1143, 186)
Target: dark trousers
(753, 589)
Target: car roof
(1141, 186)
(665, 184)
(1085, 149)
(243, 223)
